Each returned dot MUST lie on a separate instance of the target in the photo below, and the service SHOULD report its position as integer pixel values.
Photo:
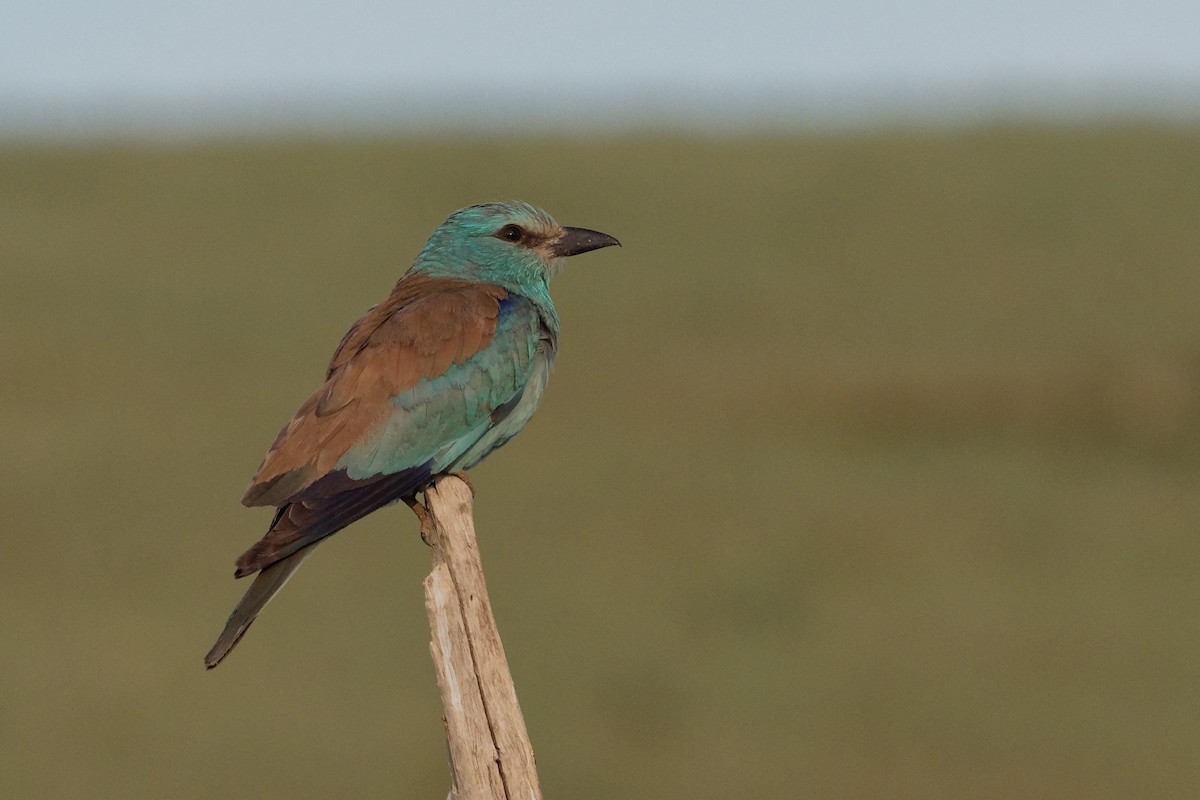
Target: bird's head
(511, 244)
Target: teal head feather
(511, 244)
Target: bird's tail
(266, 584)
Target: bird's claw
(423, 515)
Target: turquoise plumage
(447, 369)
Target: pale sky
(142, 52)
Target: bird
(447, 369)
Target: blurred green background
(870, 468)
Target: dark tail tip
(212, 658)
(225, 644)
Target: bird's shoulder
(422, 310)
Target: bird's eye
(511, 233)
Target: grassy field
(871, 468)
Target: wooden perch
(490, 754)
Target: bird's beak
(580, 240)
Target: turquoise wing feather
(440, 419)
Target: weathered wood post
(490, 754)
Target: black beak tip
(581, 240)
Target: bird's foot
(423, 515)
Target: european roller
(430, 381)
